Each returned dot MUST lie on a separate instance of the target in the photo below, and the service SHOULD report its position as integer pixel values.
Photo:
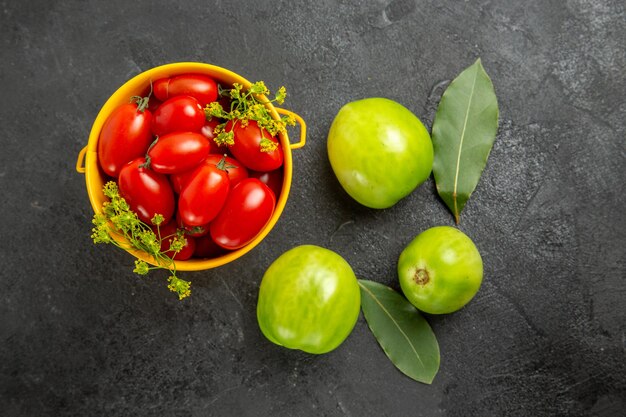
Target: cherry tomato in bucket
(255, 147)
(247, 210)
(178, 114)
(203, 196)
(125, 136)
(177, 152)
(146, 192)
(200, 87)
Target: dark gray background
(81, 335)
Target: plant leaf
(463, 133)
(402, 332)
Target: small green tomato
(309, 299)
(440, 270)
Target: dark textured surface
(81, 335)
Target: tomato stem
(152, 144)
(148, 160)
(146, 164)
(142, 102)
(223, 165)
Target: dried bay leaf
(402, 332)
(463, 133)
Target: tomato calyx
(142, 102)
(224, 165)
(196, 230)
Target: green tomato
(309, 299)
(379, 151)
(440, 270)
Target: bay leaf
(463, 133)
(402, 332)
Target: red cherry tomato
(247, 148)
(178, 152)
(204, 195)
(207, 131)
(146, 192)
(125, 135)
(206, 248)
(235, 170)
(273, 179)
(200, 87)
(178, 114)
(247, 210)
(167, 233)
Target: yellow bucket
(87, 162)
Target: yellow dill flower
(281, 94)
(268, 145)
(179, 286)
(259, 88)
(141, 267)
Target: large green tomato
(309, 299)
(440, 270)
(379, 151)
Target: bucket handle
(80, 167)
(302, 127)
